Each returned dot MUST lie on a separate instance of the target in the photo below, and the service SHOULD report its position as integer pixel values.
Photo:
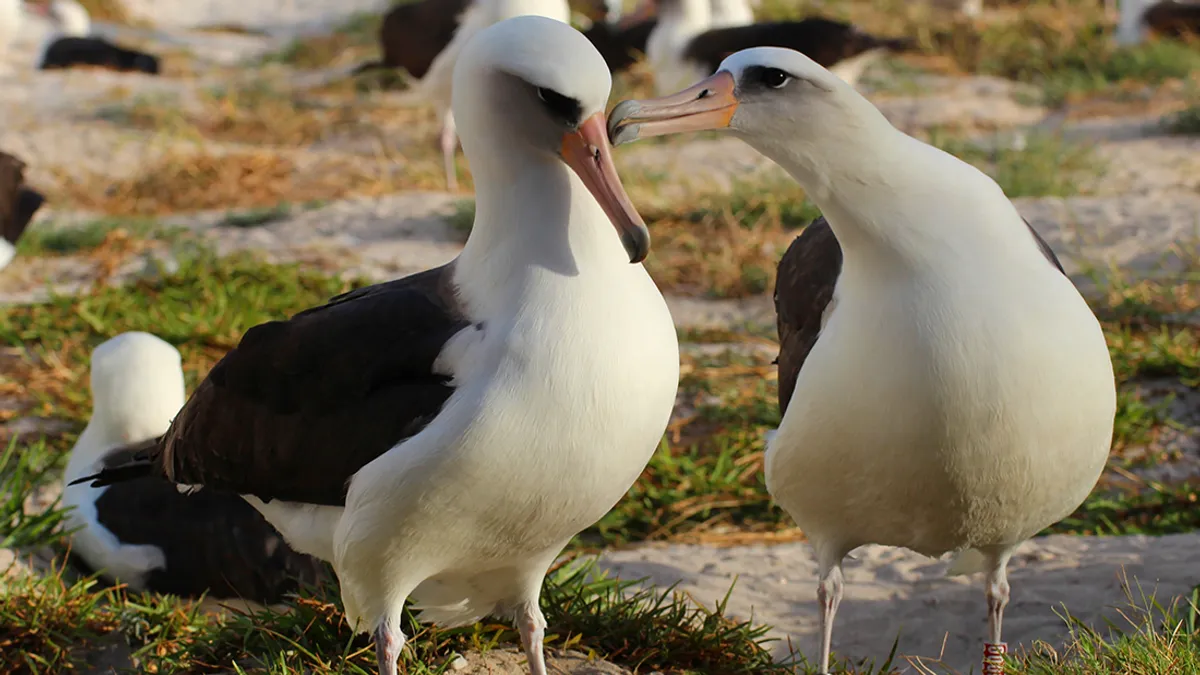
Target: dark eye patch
(766, 77)
(564, 108)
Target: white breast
(937, 414)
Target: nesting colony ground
(255, 178)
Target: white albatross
(144, 533)
(953, 392)
(443, 436)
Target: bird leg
(389, 642)
(829, 595)
(449, 140)
(997, 599)
(532, 625)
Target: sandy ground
(892, 592)
(1142, 216)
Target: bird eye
(775, 78)
(564, 108)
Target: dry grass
(726, 244)
(106, 10)
(248, 179)
(263, 113)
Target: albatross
(144, 533)
(18, 204)
(944, 386)
(443, 436)
(73, 43)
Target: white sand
(892, 592)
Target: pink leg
(829, 594)
(997, 599)
(449, 141)
(532, 626)
(389, 642)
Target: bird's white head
(72, 19)
(531, 89)
(778, 100)
(137, 387)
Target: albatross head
(72, 19)
(778, 100)
(533, 90)
(137, 387)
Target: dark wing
(1045, 248)
(822, 40)
(413, 34)
(804, 286)
(620, 47)
(300, 405)
(67, 52)
(1173, 19)
(213, 542)
(17, 202)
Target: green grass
(52, 239)
(358, 33)
(24, 468)
(1185, 122)
(1151, 639)
(1043, 166)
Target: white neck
(533, 216)
(858, 183)
(691, 13)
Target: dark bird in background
(413, 34)
(1173, 19)
(18, 204)
(69, 52)
(74, 44)
(825, 41)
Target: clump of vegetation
(250, 179)
(355, 37)
(1185, 122)
(1035, 165)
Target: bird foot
(993, 658)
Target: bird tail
(125, 464)
(968, 561)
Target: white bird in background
(436, 87)
(678, 22)
(442, 437)
(953, 392)
(10, 26)
(729, 13)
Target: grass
(350, 41)
(1185, 122)
(1042, 166)
(258, 112)
(1154, 639)
(248, 179)
(47, 239)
